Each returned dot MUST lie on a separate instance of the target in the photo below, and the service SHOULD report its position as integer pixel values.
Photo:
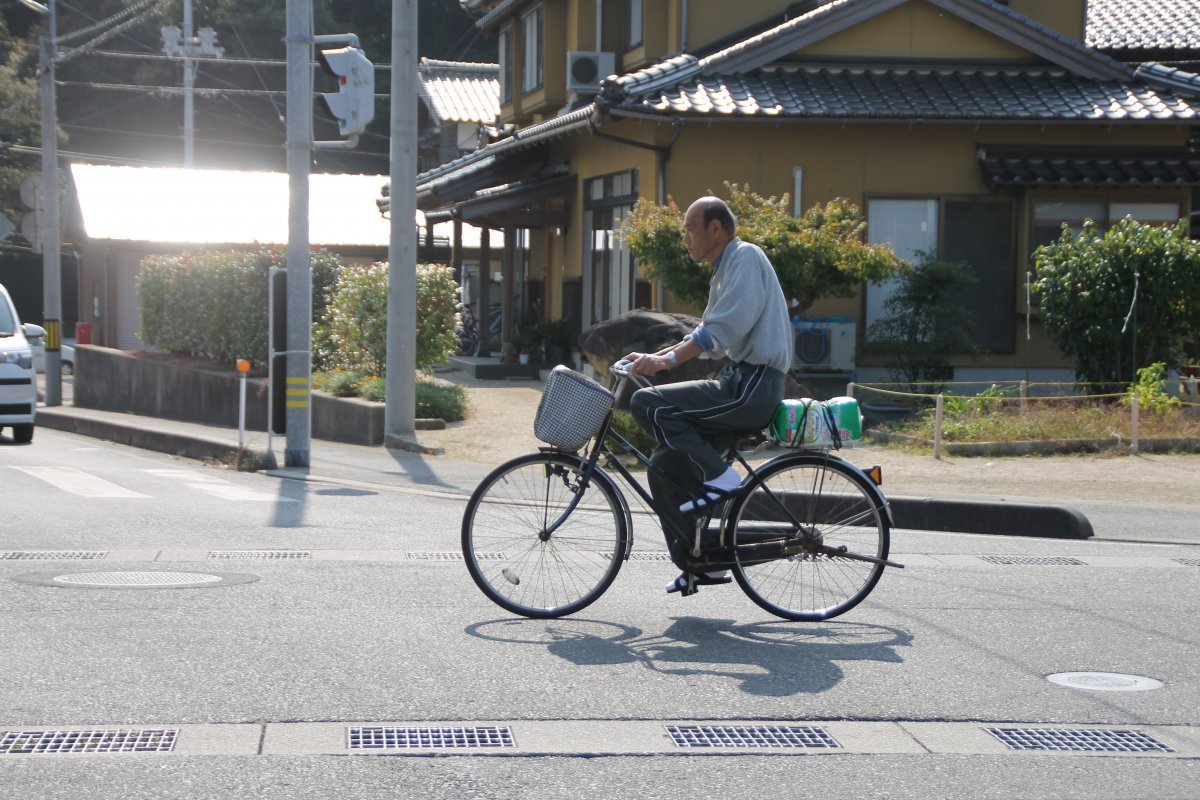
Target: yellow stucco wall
(1065, 16)
(916, 29)
(863, 161)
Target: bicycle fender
(875, 490)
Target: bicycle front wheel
(517, 556)
(796, 534)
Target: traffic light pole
(297, 406)
(51, 267)
(400, 405)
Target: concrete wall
(112, 380)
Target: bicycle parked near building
(544, 535)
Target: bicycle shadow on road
(771, 659)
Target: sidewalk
(1030, 496)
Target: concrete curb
(161, 441)
(960, 516)
(998, 518)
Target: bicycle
(544, 535)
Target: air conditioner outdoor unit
(823, 345)
(586, 69)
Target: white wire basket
(572, 409)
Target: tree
(923, 324)
(19, 119)
(1118, 301)
(820, 254)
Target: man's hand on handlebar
(645, 363)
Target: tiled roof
(456, 91)
(1143, 24)
(1169, 77)
(1006, 167)
(944, 94)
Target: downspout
(683, 15)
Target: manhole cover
(1104, 681)
(145, 579)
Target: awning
(1034, 166)
(515, 205)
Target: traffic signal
(353, 105)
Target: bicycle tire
(824, 494)
(521, 568)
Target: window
(506, 65)
(531, 32)
(1049, 216)
(978, 232)
(609, 274)
(634, 25)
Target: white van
(18, 386)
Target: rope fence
(1000, 393)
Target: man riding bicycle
(745, 320)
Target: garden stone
(643, 330)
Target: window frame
(533, 68)
(506, 38)
(1009, 336)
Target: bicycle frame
(809, 536)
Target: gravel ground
(501, 427)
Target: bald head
(714, 209)
(708, 226)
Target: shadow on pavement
(773, 659)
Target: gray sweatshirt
(746, 317)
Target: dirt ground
(501, 427)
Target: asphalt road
(349, 608)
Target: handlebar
(622, 368)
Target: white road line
(79, 482)
(219, 488)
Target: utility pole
(298, 410)
(400, 402)
(51, 268)
(187, 49)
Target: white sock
(729, 479)
(721, 573)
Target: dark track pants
(742, 397)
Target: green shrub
(439, 400)
(625, 424)
(214, 303)
(338, 382)
(820, 254)
(352, 335)
(924, 324)
(374, 389)
(1116, 301)
(1151, 390)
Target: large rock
(644, 331)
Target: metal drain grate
(737, 736)
(52, 555)
(448, 555)
(646, 556)
(430, 737)
(156, 740)
(1097, 741)
(1048, 561)
(1190, 562)
(259, 554)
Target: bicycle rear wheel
(514, 557)
(795, 536)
